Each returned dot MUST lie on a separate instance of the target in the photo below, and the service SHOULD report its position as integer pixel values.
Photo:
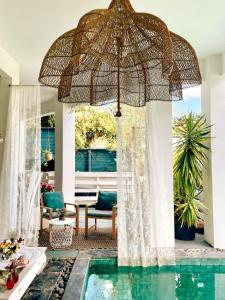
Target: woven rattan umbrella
(116, 54)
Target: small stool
(61, 233)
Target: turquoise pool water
(189, 279)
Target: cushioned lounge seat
(53, 201)
(105, 208)
(100, 213)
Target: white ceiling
(28, 27)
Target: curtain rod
(10, 85)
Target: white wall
(4, 96)
(9, 66)
(9, 74)
(213, 106)
(48, 107)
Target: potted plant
(191, 134)
(9, 247)
(47, 155)
(62, 213)
(187, 210)
(46, 187)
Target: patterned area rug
(100, 239)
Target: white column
(161, 173)
(213, 106)
(65, 150)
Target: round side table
(61, 233)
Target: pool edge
(76, 284)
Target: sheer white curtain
(20, 176)
(145, 187)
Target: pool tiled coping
(76, 284)
(75, 288)
(185, 259)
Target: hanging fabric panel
(20, 176)
(145, 186)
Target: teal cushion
(106, 200)
(53, 200)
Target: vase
(10, 282)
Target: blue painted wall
(87, 160)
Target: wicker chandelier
(116, 54)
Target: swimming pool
(195, 279)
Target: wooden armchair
(100, 214)
(50, 202)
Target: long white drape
(145, 188)
(20, 176)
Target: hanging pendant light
(1, 135)
(1, 139)
(116, 54)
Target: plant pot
(184, 233)
(48, 156)
(200, 227)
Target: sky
(191, 102)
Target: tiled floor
(198, 243)
(195, 245)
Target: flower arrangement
(45, 187)
(9, 247)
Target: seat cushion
(53, 200)
(106, 200)
(100, 213)
(46, 215)
(55, 215)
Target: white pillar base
(65, 150)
